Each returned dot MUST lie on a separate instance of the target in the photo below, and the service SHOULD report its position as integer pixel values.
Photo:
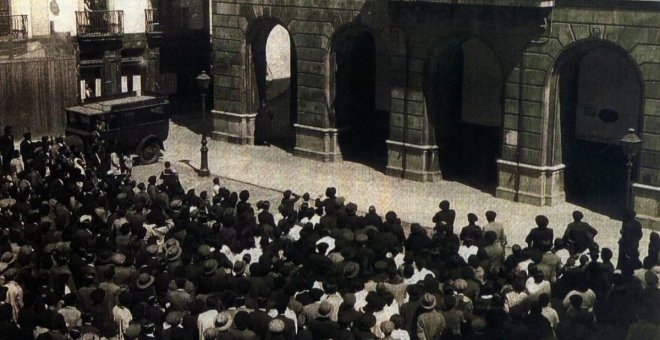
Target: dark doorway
(596, 109)
(275, 70)
(467, 108)
(363, 128)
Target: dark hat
(174, 318)
(118, 259)
(651, 279)
(222, 321)
(361, 238)
(176, 204)
(460, 285)
(380, 266)
(276, 326)
(204, 250)
(144, 281)
(428, 301)
(472, 217)
(133, 331)
(349, 299)
(239, 267)
(351, 270)
(173, 254)
(325, 309)
(210, 266)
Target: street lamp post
(631, 144)
(203, 82)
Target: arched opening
(597, 97)
(466, 106)
(363, 126)
(275, 98)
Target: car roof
(117, 104)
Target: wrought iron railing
(100, 23)
(152, 22)
(13, 26)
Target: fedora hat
(222, 321)
(210, 266)
(145, 281)
(428, 301)
(173, 253)
(351, 270)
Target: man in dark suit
(540, 238)
(7, 148)
(27, 147)
(322, 327)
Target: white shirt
(465, 252)
(551, 315)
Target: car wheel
(150, 152)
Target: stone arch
(256, 71)
(346, 38)
(576, 119)
(464, 95)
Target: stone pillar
(527, 170)
(317, 143)
(531, 184)
(411, 153)
(111, 73)
(234, 108)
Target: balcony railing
(13, 27)
(152, 22)
(100, 23)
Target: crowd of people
(88, 252)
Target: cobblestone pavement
(267, 171)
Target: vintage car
(136, 124)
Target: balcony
(152, 22)
(100, 24)
(13, 27)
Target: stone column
(411, 154)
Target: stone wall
(530, 139)
(528, 39)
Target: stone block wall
(528, 124)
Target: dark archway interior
(467, 109)
(280, 95)
(596, 108)
(364, 129)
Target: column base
(535, 185)
(233, 127)
(317, 143)
(412, 161)
(646, 200)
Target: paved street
(267, 171)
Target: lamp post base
(204, 167)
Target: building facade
(526, 99)
(118, 46)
